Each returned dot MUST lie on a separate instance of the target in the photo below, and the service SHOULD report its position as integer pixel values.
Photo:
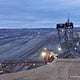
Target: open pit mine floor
(59, 69)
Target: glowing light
(45, 48)
(77, 44)
(34, 64)
(43, 54)
(59, 49)
(75, 48)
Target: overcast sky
(38, 13)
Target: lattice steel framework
(65, 34)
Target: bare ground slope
(60, 69)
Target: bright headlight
(43, 54)
(59, 49)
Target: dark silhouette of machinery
(65, 34)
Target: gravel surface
(59, 69)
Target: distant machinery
(61, 33)
(65, 34)
(69, 31)
(48, 55)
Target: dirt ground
(59, 69)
